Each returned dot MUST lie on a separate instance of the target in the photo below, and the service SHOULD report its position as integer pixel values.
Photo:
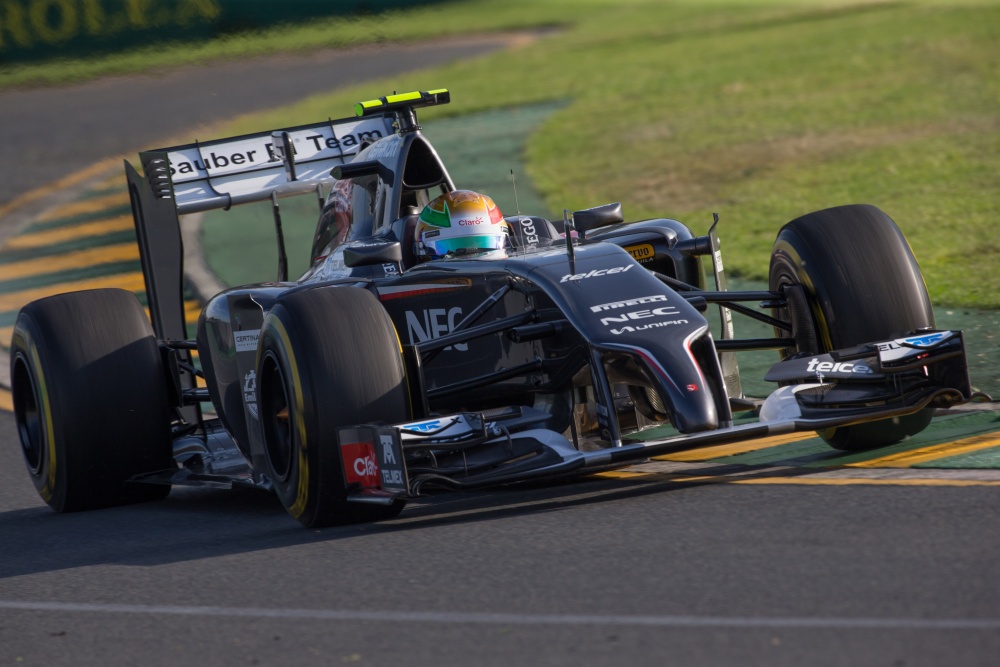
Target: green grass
(761, 111)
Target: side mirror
(599, 216)
(373, 252)
(363, 168)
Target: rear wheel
(862, 284)
(328, 358)
(90, 399)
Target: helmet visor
(460, 244)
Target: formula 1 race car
(376, 377)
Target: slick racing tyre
(90, 399)
(327, 358)
(862, 285)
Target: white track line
(451, 618)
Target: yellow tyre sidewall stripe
(47, 468)
(302, 488)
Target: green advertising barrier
(34, 30)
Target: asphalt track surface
(650, 569)
(601, 572)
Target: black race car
(376, 377)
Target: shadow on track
(193, 524)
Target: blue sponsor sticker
(424, 426)
(929, 339)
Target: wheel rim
(782, 276)
(28, 417)
(275, 418)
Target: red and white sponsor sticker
(360, 464)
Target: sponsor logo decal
(388, 147)
(360, 464)
(662, 311)
(530, 234)
(215, 161)
(425, 427)
(390, 476)
(241, 155)
(470, 221)
(928, 339)
(433, 323)
(642, 253)
(250, 392)
(817, 366)
(388, 455)
(595, 273)
(643, 327)
(246, 341)
(654, 298)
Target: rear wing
(255, 167)
(228, 172)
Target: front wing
(466, 451)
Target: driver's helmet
(460, 222)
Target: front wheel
(327, 358)
(862, 285)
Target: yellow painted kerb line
(87, 206)
(62, 234)
(805, 480)
(75, 259)
(844, 481)
(932, 452)
(66, 182)
(718, 451)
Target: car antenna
(569, 226)
(517, 206)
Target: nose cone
(685, 390)
(694, 409)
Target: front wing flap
(855, 381)
(873, 361)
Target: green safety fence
(34, 30)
